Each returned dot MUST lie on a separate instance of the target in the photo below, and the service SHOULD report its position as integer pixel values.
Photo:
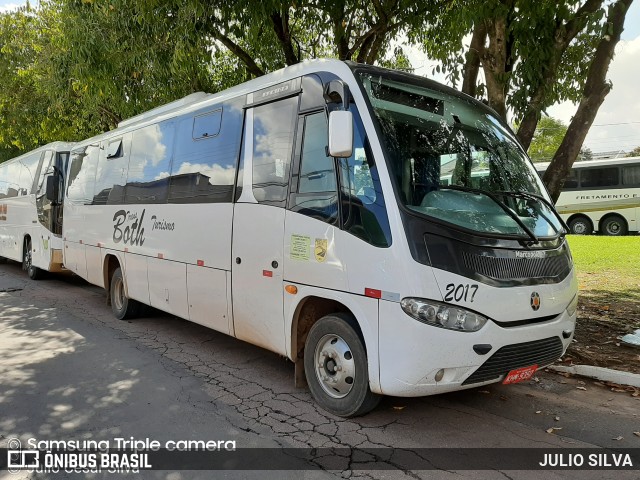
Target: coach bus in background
(303, 212)
(31, 221)
(601, 196)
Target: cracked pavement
(69, 369)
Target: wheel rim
(613, 228)
(118, 294)
(334, 366)
(27, 257)
(579, 228)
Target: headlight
(573, 306)
(442, 315)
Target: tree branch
(239, 52)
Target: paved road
(71, 370)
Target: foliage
(634, 153)
(547, 139)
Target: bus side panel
(207, 292)
(168, 286)
(94, 257)
(74, 258)
(135, 277)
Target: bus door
(258, 223)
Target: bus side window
(364, 211)
(150, 164)
(317, 194)
(82, 174)
(273, 133)
(207, 145)
(112, 171)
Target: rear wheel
(122, 306)
(614, 226)
(335, 364)
(27, 262)
(580, 226)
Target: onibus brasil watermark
(118, 455)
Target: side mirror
(53, 188)
(341, 134)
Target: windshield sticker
(300, 246)
(321, 249)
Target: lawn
(609, 283)
(607, 264)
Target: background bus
(601, 196)
(30, 224)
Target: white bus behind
(601, 196)
(30, 223)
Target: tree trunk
(595, 91)
(472, 59)
(281, 27)
(494, 62)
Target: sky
(617, 125)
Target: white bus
(30, 222)
(601, 196)
(302, 212)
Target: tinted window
(207, 124)
(9, 178)
(28, 172)
(112, 174)
(364, 211)
(317, 169)
(82, 174)
(204, 168)
(572, 180)
(150, 164)
(599, 177)
(317, 194)
(273, 130)
(631, 175)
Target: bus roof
(56, 146)
(541, 166)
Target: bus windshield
(455, 161)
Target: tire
(335, 364)
(123, 307)
(33, 272)
(614, 226)
(580, 226)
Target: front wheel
(122, 306)
(335, 364)
(614, 226)
(27, 262)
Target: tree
(595, 90)
(546, 140)
(634, 153)
(532, 55)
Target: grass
(608, 264)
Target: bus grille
(540, 352)
(502, 268)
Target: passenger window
(317, 194)
(572, 180)
(150, 164)
(111, 177)
(599, 177)
(273, 131)
(631, 175)
(204, 168)
(364, 210)
(28, 173)
(82, 174)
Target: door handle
(238, 260)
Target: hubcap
(118, 293)
(579, 228)
(613, 228)
(334, 365)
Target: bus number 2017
(457, 293)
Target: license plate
(520, 374)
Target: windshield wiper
(502, 205)
(535, 196)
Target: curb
(600, 373)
